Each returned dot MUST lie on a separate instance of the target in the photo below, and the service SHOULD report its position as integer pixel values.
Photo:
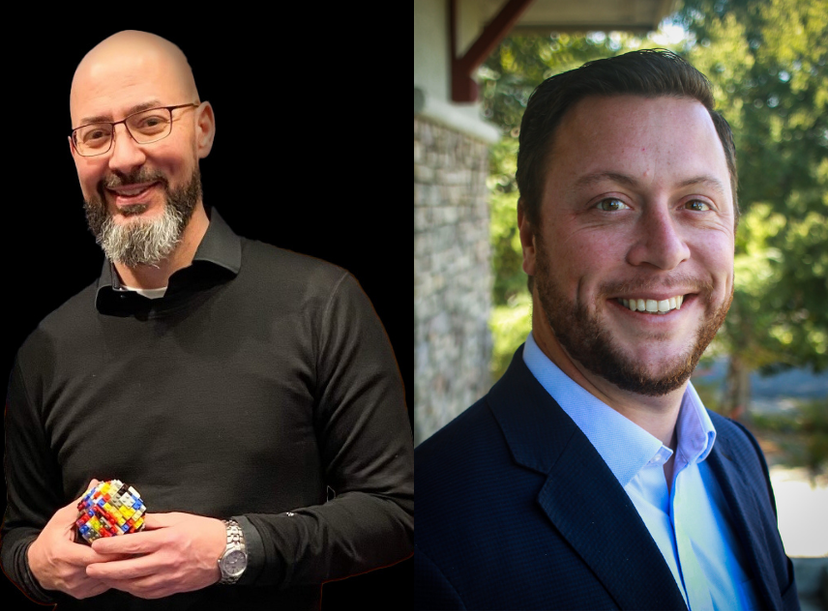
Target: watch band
(233, 561)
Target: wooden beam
(463, 87)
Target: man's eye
(95, 136)
(611, 205)
(697, 205)
(149, 124)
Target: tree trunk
(737, 388)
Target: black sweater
(262, 386)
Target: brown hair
(649, 73)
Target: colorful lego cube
(102, 511)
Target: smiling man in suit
(591, 476)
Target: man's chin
(653, 377)
(132, 210)
(652, 380)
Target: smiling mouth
(130, 191)
(653, 306)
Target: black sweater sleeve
(33, 485)
(367, 453)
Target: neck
(158, 276)
(656, 415)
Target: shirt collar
(219, 247)
(624, 446)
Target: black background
(299, 160)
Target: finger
(124, 570)
(142, 587)
(91, 588)
(133, 543)
(81, 555)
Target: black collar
(217, 257)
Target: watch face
(234, 563)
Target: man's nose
(659, 240)
(126, 154)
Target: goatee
(590, 343)
(142, 241)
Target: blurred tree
(768, 63)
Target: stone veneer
(452, 275)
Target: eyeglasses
(145, 126)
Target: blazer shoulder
(459, 449)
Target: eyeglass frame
(73, 135)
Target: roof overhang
(499, 19)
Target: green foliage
(507, 260)
(510, 324)
(768, 62)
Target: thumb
(153, 521)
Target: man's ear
(205, 129)
(527, 239)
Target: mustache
(687, 284)
(140, 175)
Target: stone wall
(452, 275)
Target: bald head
(128, 61)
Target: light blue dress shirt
(690, 522)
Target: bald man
(249, 393)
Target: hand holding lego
(58, 562)
(176, 552)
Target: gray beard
(590, 343)
(143, 241)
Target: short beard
(143, 241)
(590, 343)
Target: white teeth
(131, 192)
(653, 306)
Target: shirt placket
(694, 581)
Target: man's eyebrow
(132, 109)
(591, 179)
(703, 179)
(708, 181)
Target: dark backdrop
(299, 161)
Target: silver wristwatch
(234, 559)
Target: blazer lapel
(582, 498)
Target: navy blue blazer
(517, 510)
